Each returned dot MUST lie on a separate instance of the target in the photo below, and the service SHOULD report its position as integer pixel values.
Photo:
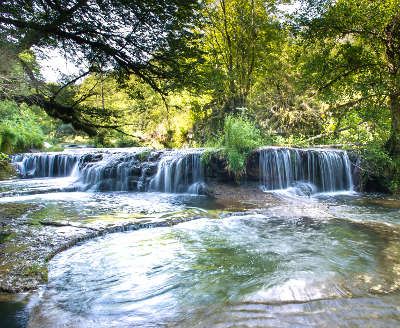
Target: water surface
(332, 260)
(253, 269)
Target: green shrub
(377, 162)
(144, 155)
(6, 170)
(4, 157)
(19, 130)
(8, 138)
(240, 136)
(208, 154)
(127, 142)
(55, 149)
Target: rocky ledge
(27, 244)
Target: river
(329, 259)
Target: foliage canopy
(150, 39)
(181, 73)
(355, 58)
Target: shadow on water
(13, 314)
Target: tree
(356, 56)
(239, 36)
(142, 37)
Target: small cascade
(179, 171)
(134, 169)
(115, 171)
(41, 165)
(323, 170)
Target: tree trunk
(392, 45)
(393, 144)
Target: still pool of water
(329, 261)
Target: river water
(329, 260)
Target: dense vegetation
(231, 74)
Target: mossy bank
(7, 171)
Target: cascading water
(179, 172)
(321, 170)
(41, 165)
(273, 261)
(113, 171)
(134, 169)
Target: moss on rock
(7, 171)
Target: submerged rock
(304, 189)
(28, 241)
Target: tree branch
(69, 83)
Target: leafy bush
(4, 157)
(55, 149)
(240, 136)
(19, 130)
(8, 138)
(127, 142)
(6, 170)
(378, 163)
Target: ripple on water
(249, 270)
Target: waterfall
(323, 170)
(40, 165)
(111, 171)
(179, 171)
(133, 169)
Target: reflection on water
(363, 207)
(363, 312)
(86, 207)
(34, 186)
(13, 314)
